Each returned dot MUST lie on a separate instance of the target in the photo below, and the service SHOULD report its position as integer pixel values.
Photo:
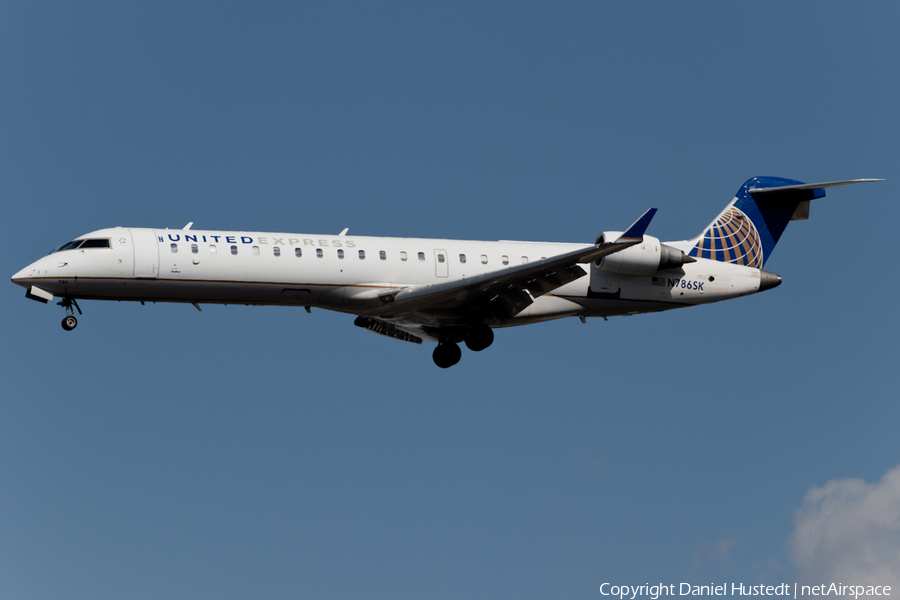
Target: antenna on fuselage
(344, 232)
(188, 226)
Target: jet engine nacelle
(645, 258)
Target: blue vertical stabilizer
(748, 229)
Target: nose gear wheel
(69, 322)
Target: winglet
(637, 229)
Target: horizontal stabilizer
(807, 186)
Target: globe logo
(732, 238)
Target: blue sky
(247, 451)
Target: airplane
(435, 290)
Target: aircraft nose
(19, 278)
(26, 276)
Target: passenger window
(524, 260)
(174, 248)
(440, 258)
(462, 258)
(504, 259)
(276, 251)
(403, 256)
(212, 248)
(194, 249)
(382, 255)
(234, 249)
(340, 254)
(319, 252)
(255, 250)
(484, 259)
(362, 255)
(298, 252)
(421, 256)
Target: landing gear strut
(446, 355)
(69, 322)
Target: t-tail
(745, 233)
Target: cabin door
(441, 263)
(146, 253)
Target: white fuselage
(346, 273)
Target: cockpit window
(94, 243)
(69, 246)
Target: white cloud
(713, 555)
(848, 531)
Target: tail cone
(768, 280)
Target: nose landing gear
(69, 322)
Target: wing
(506, 292)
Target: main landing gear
(476, 338)
(479, 338)
(446, 355)
(69, 322)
